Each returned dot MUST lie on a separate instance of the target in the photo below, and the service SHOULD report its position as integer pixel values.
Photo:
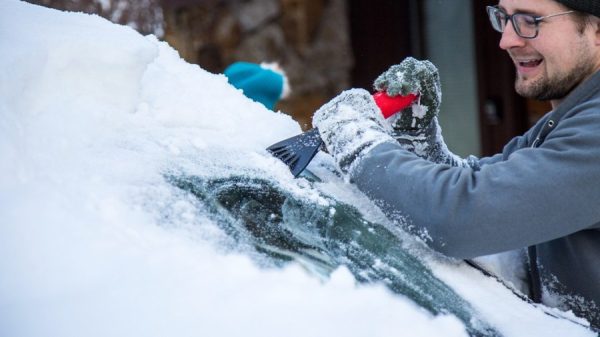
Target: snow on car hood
(96, 241)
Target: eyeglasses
(525, 25)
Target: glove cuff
(428, 143)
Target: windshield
(282, 227)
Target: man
(541, 192)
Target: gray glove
(350, 125)
(412, 76)
(416, 128)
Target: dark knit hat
(586, 6)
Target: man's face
(558, 59)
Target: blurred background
(327, 46)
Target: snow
(95, 242)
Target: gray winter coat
(543, 193)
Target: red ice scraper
(296, 152)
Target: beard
(560, 84)
(555, 87)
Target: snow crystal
(419, 111)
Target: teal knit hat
(586, 6)
(263, 83)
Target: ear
(597, 30)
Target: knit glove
(412, 76)
(416, 128)
(350, 125)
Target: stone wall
(145, 16)
(308, 38)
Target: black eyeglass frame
(492, 10)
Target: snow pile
(94, 242)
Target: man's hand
(350, 125)
(416, 128)
(412, 76)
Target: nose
(510, 39)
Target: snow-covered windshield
(137, 199)
(322, 237)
